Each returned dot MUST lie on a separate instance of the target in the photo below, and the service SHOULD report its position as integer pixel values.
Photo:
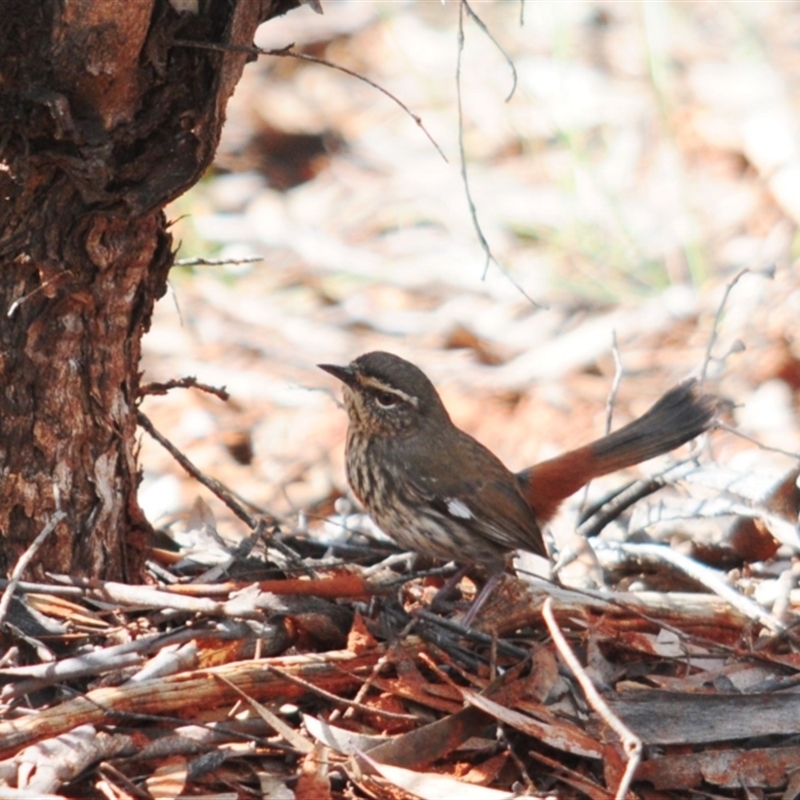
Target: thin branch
(610, 403)
(289, 52)
(504, 647)
(769, 448)
(210, 483)
(593, 520)
(713, 580)
(480, 23)
(289, 734)
(189, 382)
(217, 262)
(619, 372)
(256, 524)
(335, 699)
(712, 339)
(24, 560)
(631, 743)
(365, 688)
(473, 212)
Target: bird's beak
(347, 375)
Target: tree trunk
(103, 120)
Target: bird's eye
(387, 399)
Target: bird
(437, 491)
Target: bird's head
(385, 394)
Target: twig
(363, 689)
(189, 382)
(519, 763)
(45, 588)
(619, 372)
(503, 646)
(292, 737)
(462, 154)
(24, 560)
(188, 691)
(594, 518)
(631, 743)
(339, 701)
(395, 618)
(289, 52)
(480, 23)
(610, 403)
(98, 662)
(712, 339)
(210, 483)
(769, 448)
(216, 262)
(711, 579)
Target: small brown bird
(437, 491)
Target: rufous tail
(680, 415)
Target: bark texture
(103, 120)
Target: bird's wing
(490, 507)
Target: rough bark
(103, 120)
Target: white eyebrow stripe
(458, 509)
(377, 385)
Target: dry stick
(769, 448)
(223, 493)
(473, 212)
(47, 767)
(365, 687)
(24, 560)
(530, 787)
(175, 302)
(45, 588)
(189, 382)
(217, 262)
(592, 522)
(711, 579)
(503, 646)
(292, 737)
(288, 52)
(334, 698)
(611, 401)
(482, 25)
(768, 272)
(648, 606)
(210, 483)
(118, 781)
(631, 743)
(718, 316)
(189, 690)
(619, 372)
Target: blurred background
(649, 153)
